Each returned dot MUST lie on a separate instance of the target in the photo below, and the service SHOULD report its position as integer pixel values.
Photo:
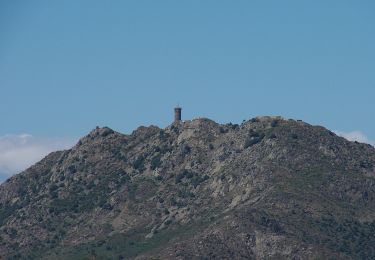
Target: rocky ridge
(268, 188)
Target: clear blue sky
(67, 66)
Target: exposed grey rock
(269, 188)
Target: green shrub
(139, 163)
(274, 123)
(53, 187)
(12, 232)
(184, 174)
(186, 149)
(222, 130)
(198, 179)
(155, 162)
(179, 177)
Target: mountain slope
(268, 188)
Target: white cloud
(355, 136)
(18, 152)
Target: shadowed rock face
(268, 188)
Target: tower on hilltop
(177, 114)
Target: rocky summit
(269, 188)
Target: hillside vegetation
(269, 188)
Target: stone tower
(177, 114)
